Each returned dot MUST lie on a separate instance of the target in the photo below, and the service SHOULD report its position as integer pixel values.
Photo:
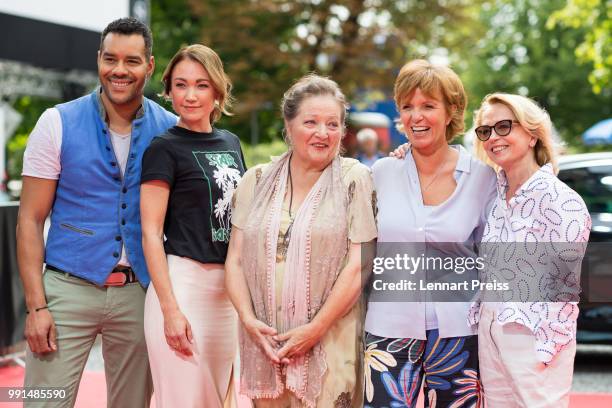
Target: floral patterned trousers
(396, 368)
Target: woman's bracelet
(38, 309)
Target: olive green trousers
(81, 311)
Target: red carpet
(92, 392)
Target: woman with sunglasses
(526, 349)
(436, 199)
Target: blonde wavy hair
(533, 118)
(433, 79)
(213, 65)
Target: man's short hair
(129, 26)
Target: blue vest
(96, 210)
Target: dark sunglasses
(502, 128)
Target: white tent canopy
(87, 15)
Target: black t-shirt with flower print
(202, 170)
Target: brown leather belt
(120, 276)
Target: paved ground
(593, 369)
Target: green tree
(268, 44)
(519, 54)
(596, 47)
(173, 25)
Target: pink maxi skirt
(206, 378)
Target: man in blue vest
(82, 164)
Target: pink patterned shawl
(318, 247)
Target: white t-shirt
(42, 155)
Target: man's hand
(37, 196)
(40, 331)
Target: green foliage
(596, 47)
(262, 152)
(519, 54)
(267, 44)
(556, 51)
(31, 108)
(15, 148)
(173, 25)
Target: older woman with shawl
(294, 261)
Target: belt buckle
(116, 279)
(120, 276)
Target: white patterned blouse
(543, 210)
